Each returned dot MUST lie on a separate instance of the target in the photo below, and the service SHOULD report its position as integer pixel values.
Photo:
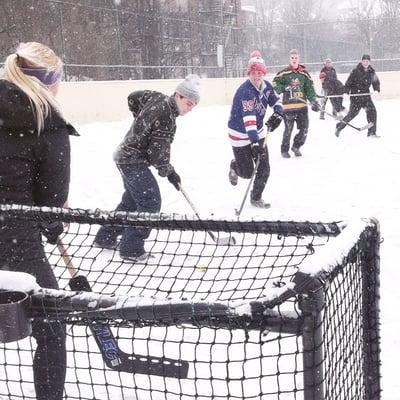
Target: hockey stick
(113, 356)
(342, 95)
(223, 241)
(239, 211)
(362, 128)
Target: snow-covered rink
(336, 179)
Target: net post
(311, 304)
(371, 319)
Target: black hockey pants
(244, 164)
(301, 119)
(356, 104)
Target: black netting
(206, 320)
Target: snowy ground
(334, 180)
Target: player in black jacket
(358, 82)
(34, 170)
(331, 86)
(147, 144)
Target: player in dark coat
(147, 144)
(331, 86)
(359, 82)
(34, 170)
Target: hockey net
(288, 311)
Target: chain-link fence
(149, 39)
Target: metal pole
(371, 318)
(311, 305)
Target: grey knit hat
(190, 88)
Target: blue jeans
(142, 194)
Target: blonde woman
(34, 170)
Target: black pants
(337, 102)
(301, 119)
(244, 165)
(356, 104)
(49, 364)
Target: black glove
(52, 230)
(315, 106)
(274, 121)
(175, 179)
(257, 150)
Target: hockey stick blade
(224, 241)
(369, 125)
(221, 241)
(116, 359)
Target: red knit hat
(256, 63)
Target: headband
(45, 76)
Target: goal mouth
(280, 313)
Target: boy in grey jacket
(147, 144)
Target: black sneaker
(296, 151)
(108, 246)
(259, 203)
(233, 177)
(138, 259)
(337, 132)
(285, 154)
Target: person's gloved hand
(274, 121)
(257, 150)
(175, 179)
(51, 230)
(315, 106)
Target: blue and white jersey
(246, 122)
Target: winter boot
(339, 127)
(233, 177)
(296, 151)
(285, 154)
(260, 203)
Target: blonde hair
(33, 55)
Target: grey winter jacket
(152, 132)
